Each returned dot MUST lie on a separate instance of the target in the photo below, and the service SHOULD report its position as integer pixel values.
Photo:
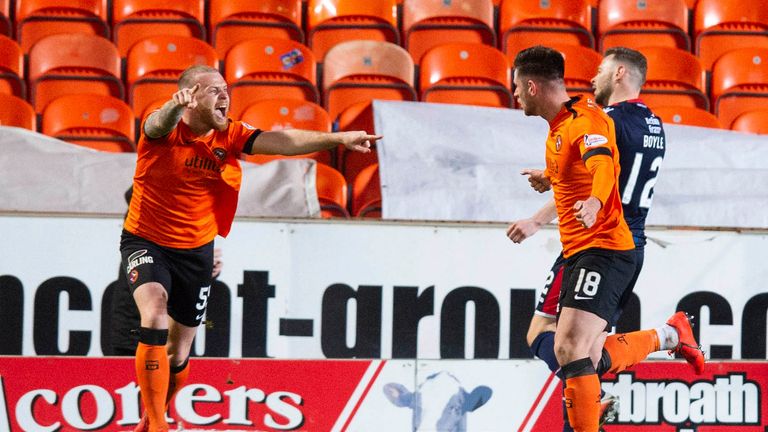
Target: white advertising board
(324, 289)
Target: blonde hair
(189, 76)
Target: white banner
(44, 174)
(341, 290)
(454, 162)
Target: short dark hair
(187, 78)
(540, 62)
(631, 57)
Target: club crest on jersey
(558, 142)
(133, 276)
(220, 153)
(247, 126)
(594, 140)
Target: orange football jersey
(583, 160)
(185, 188)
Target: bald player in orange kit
(185, 193)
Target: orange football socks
(153, 374)
(627, 349)
(178, 377)
(582, 395)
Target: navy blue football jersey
(641, 141)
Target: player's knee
(532, 334)
(563, 353)
(569, 349)
(151, 297)
(538, 326)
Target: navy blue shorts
(184, 273)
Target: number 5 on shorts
(590, 281)
(204, 293)
(203, 296)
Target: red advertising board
(43, 394)
(669, 397)
(73, 394)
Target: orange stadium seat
(358, 116)
(332, 21)
(258, 69)
(723, 25)
(752, 121)
(36, 19)
(428, 23)
(73, 63)
(581, 65)
(17, 112)
(637, 23)
(525, 23)
(466, 73)
(684, 115)
(739, 83)
(235, 21)
(366, 193)
(137, 19)
(331, 192)
(675, 77)
(6, 28)
(11, 68)
(278, 114)
(95, 121)
(154, 64)
(360, 71)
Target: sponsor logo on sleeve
(594, 140)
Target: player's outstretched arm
(291, 142)
(522, 229)
(161, 123)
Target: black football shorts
(596, 280)
(184, 273)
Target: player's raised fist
(186, 96)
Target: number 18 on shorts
(595, 279)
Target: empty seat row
(96, 121)
(356, 72)
(716, 26)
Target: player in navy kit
(641, 142)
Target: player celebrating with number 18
(600, 259)
(185, 193)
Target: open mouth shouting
(220, 113)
